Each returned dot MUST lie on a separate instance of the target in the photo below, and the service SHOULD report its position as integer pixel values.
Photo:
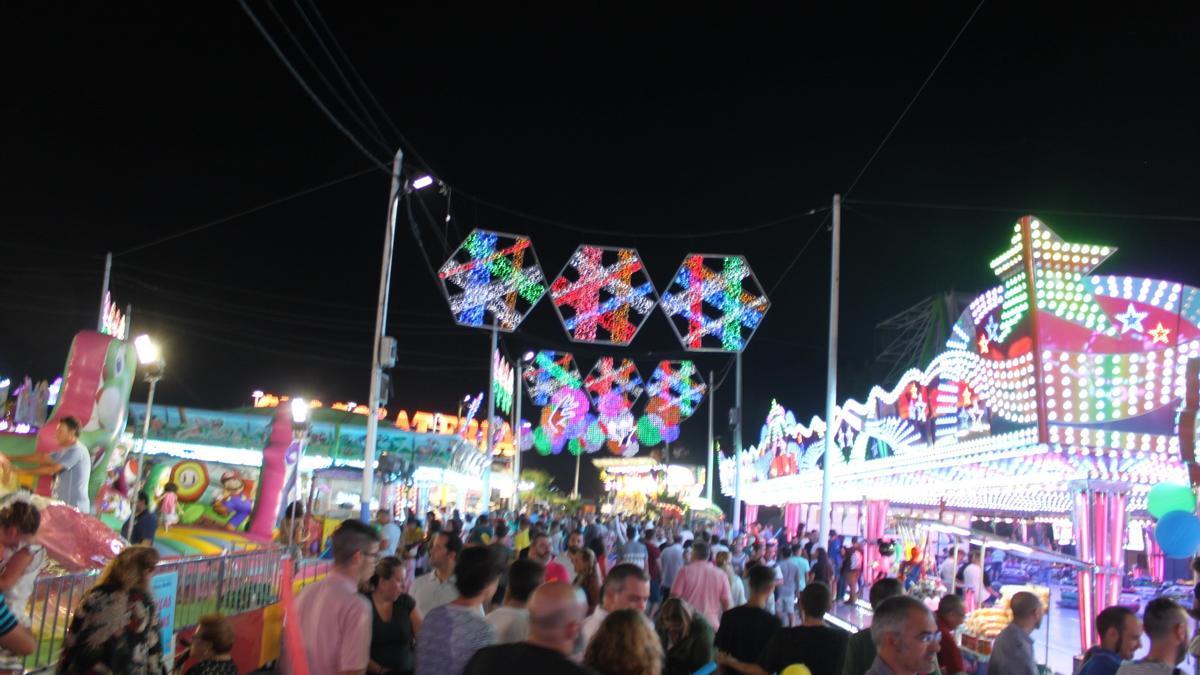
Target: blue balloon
(1178, 533)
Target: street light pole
(485, 499)
(385, 283)
(737, 448)
(516, 426)
(708, 483)
(300, 427)
(150, 357)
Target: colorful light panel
(609, 376)
(715, 303)
(679, 384)
(492, 278)
(603, 295)
(549, 372)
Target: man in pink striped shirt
(703, 586)
(335, 619)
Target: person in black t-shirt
(745, 630)
(556, 612)
(812, 643)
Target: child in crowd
(212, 647)
(168, 505)
(21, 561)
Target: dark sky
(124, 123)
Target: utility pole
(737, 447)
(518, 393)
(385, 284)
(486, 498)
(708, 483)
(831, 371)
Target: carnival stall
(1060, 393)
(641, 484)
(235, 470)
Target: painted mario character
(233, 501)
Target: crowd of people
(608, 597)
(570, 596)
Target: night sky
(126, 123)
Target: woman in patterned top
(115, 628)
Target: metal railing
(230, 584)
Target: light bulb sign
(603, 295)
(714, 303)
(549, 372)
(493, 278)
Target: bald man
(556, 612)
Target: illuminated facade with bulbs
(1056, 385)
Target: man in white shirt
(71, 485)
(511, 620)
(949, 569)
(670, 562)
(973, 581)
(437, 587)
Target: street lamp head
(528, 357)
(300, 412)
(422, 182)
(467, 398)
(148, 352)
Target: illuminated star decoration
(710, 307)
(1059, 277)
(679, 384)
(549, 372)
(1132, 320)
(1160, 334)
(492, 273)
(983, 343)
(608, 377)
(992, 328)
(603, 295)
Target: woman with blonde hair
(625, 644)
(737, 590)
(115, 628)
(687, 638)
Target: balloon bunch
(1178, 528)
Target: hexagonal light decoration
(677, 384)
(603, 295)
(493, 277)
(610, 377)
(549, 372)
(714, 303)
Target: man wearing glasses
(1012, 653)
(906, 638)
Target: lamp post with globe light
(149, 356)
(301, 423)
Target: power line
(796, 258)
(349, 87)
(245, 212)
(1024, 210)
(308, 90)
(912, 101)
(321, 76)
(879, 148)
